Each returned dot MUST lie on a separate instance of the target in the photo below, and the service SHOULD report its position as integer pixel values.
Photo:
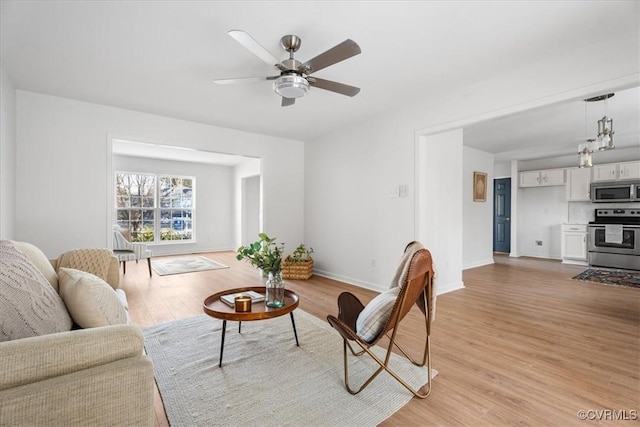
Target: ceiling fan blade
(256, 48)
(344, 50)
(243, 80)
(288, 101)
(334, 86)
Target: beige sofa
(97, 376)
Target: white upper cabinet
(616, 171)
(529, 179)
(542, 178)
(579, 184)
(629, 170)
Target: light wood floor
(522, 344)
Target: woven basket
(297, 270)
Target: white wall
(7, 157)
(439, 199)
(352, 223)
(249, 169)
(477, 218)
(502, 170)
(345, 199)
(215, 212)
(64, 168)
(541, 211)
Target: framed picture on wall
(479, 187)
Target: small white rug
(265, 380)
(166, 266)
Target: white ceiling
(161, 57)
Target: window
(155, 208)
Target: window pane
(148, 227)
(132, 189)
(176, 192)
(176, 224)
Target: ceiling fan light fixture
(291, 86)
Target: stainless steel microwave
(612, 192)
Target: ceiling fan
(294, 79)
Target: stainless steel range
(614, 238)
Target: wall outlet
(373, 262)
(538, 242)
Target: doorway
(502, 215)
(250, 209)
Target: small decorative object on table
(266, 255)
(298, 265)
(230, 299)
(242, 303)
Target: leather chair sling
(416, 289)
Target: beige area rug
(265, 380)
(165, 267)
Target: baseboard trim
(441, 288)
(479, 264)
(575, 262)
(349, 280)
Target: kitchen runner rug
(265, 380)
(626, 278)
(167, 266)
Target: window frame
(157, 208)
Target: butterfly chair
(415, 286)
(125, 250)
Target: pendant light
(604, 141)
(586, 148)
(605, 130)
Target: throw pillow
(28, 303)
(38, 259)
(374, 316)
(89, 299)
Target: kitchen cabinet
(579, 184)
(616, 171)
(574, 244)
(542, 178)
(629, 170)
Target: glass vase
(275, 290)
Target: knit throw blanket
(403, 270)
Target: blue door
(502, 215)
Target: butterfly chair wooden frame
(418, 289)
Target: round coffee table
(259, 311)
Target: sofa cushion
(374, 316)
(38, 259)
(30, 306)
(90, 300)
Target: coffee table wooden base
(259, 311)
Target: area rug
(265, 380)
(626, 278)
(190, 264)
